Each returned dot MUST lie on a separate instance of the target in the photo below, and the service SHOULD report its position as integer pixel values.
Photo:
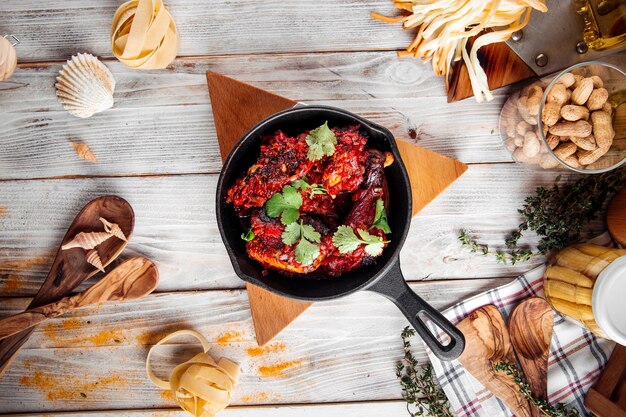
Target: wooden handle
(30, 318)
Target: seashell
(114, 229)
(93, 258)
(84, 152)
(8, 59)
(85, 86)
(87, 240)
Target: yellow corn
(569, 292)
(568, 275)
(578, 261)
(576, 311)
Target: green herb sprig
(558, 410)
(558, 215)
(285, 204)
(307, 239)
(346, 241)
(422, 393)
(313, 189)
(248, 236)
(321, 142)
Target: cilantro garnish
(380, 218)
(248, 236)
(321, 142)
(308, 240)
(285, 204)
(314, 189)
(347, 241)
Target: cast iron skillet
(385, 277)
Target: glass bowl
(574, 120)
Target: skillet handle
(394, 287)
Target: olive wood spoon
(70, 268)
(135, 278)
(530, 326)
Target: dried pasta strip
(200, 386)
(445, 27)
(144, 35)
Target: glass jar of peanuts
(573, 120)
(586, 284)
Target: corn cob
(565, 291)
(576, 311)
(568, 275)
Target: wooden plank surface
(362, 409)
(175, 226)
(55, 29)
(311, 361)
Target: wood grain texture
(363, 409)
(56, 29)
(176, 226)
(502, 66)
(132, 279)
(616, 217)
(70, 267)
(341, 350)
(237, 107)
(530, 326)
(608, 396)
(487, 342)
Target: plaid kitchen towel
(576, 359)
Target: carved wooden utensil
(135, 278)
(487, 342)
(70, 267)
(530, 326)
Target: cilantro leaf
(347, 241)
(291, 234)
(309, 233)
(307, 239)
(314, 189)
(321, 142)
(301, 184)
(285, 204)
(380, 218)
(307, 252)
(248, 236)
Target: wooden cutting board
(608, 397)
(237, 107)
(501, 64)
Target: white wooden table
(157, 148)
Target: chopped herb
(347, 241)
(248, 236)
(321, 142)
(306, 237)
(285, 204)
(303, 184)
(380, 218)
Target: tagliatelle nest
(445, 27)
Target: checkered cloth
(576, 360)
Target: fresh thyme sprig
(558, 215)
(559, 410)
(420, 389)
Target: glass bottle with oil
(604, 22)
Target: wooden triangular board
(236, 108)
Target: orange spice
(168, 395)
(255, 398)
(102, 338)
(71, 324)
(62, 388)
(228, 337)
(279, 368)
(12, 284)
(3, 211)
(10, 270)
(262, 350)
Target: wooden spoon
(70, 268)
(487, 343)
(530, 326)
(135, 278)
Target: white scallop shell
(85, 86)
